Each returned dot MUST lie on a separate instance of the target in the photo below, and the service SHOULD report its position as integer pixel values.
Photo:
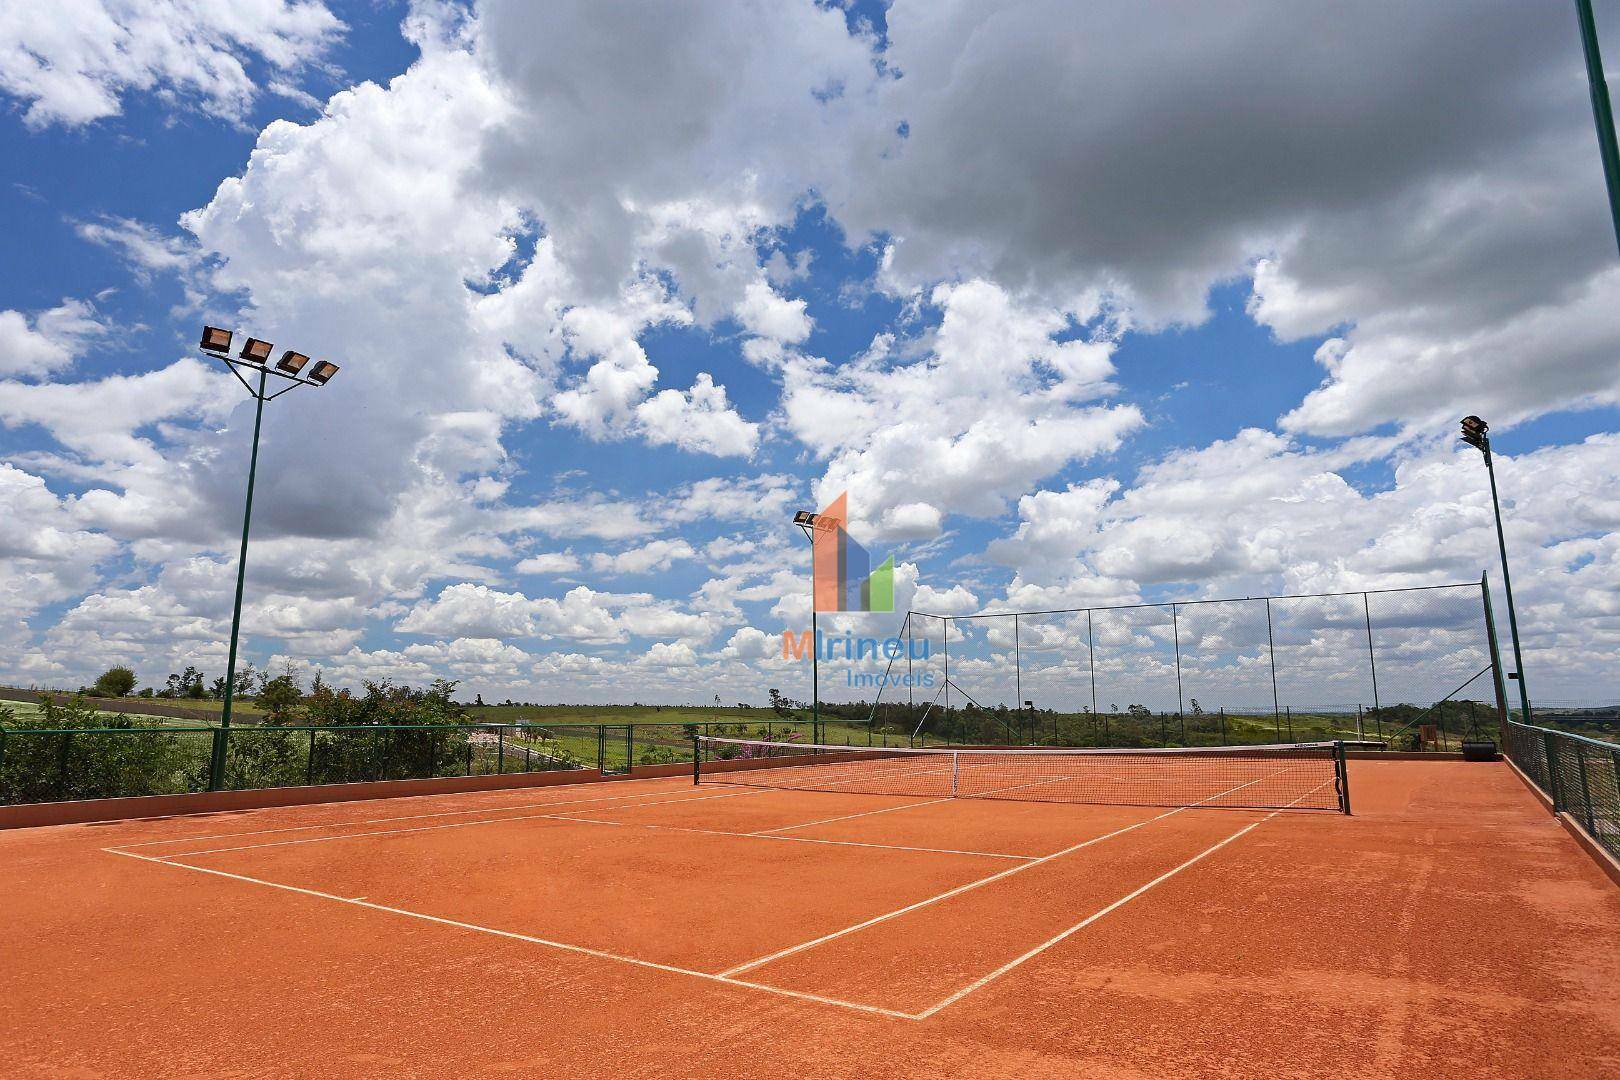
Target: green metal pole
(1507, 586)
(217, 766)
(1601, 112)
(815, 665)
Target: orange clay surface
(652, 928)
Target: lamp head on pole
(216, 340)
(1474, 433)
(255, 351)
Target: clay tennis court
(1449, 926)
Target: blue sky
(610, 307)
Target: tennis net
(1295, 775)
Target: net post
(1341, 776)
(696, 761)
(955, 759)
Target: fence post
(601, 748)
(1223, 726)
(1290, 711)
(309, 761)
(1496, 661)
(500, 756)
(62, 765)
(1550, 750)
(1175, 630)
(1018, 665)
(1091, 662)
(1372, 665)
(216, 759)
(1271, 653)
(1586, 793)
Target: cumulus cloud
(999, 402)
(72, 62)
(49, 341)
(657, 555)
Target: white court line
(958, 891)
(411, 817)
(579, 949)
(845, 817)
(799, 839)
(433, 828)
(750, 965)
(985, 980)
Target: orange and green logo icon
(843, 576)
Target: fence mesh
(1409, 665)
(1580, 776)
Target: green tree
(279, 697)
(114, 682)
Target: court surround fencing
(1391, 661)
(1580, 776)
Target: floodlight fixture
(1474, 433)
(805, 518)
(216, 340)
(322, 372)
(255, 351)
(292, 362)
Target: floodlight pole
(815, 641)
(241, 558)
(1608, 150)
(255, 357)
(1476, 436)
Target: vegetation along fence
(51, 764)
(1581, 776)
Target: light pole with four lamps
(253, 358)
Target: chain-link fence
(1411, 665)
(1580, 776)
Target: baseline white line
(563, 946)
(800, 839)
(429, 828)
(985, 980)
(406, 817)
(958, 891)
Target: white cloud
(50, 341)
(699, 420)
(766, 314)
(549, 562)
(998, 404)
(72, 61)
(656, 555)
